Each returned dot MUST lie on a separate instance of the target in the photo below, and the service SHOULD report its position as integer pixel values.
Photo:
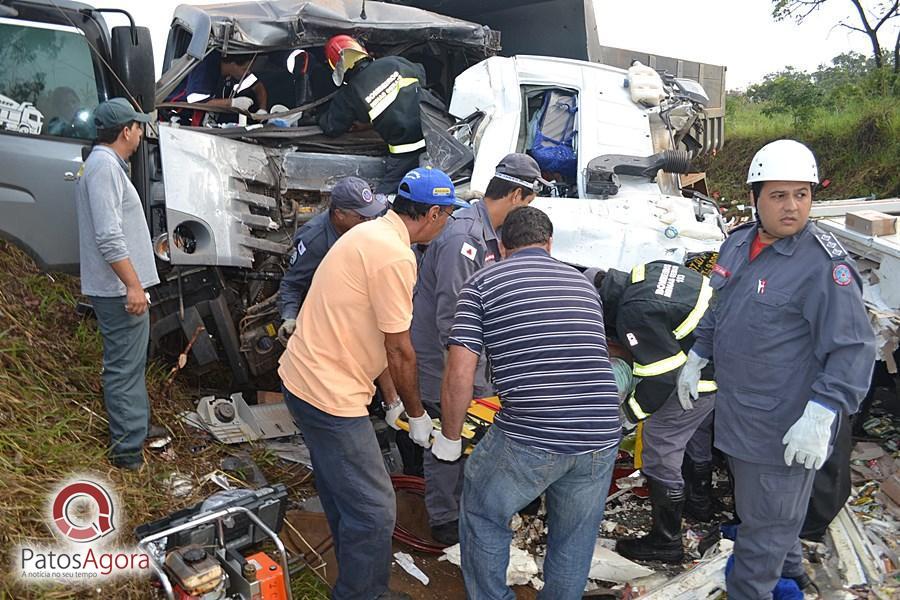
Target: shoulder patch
(469, 251)
(831, 245)
(842, 275)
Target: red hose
(413, 485)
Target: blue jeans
(357, 496)
(502, 477)
(125, 340)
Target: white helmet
(783, 160)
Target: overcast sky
(740, 34)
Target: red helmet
(337, 44)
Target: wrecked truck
(223, 202)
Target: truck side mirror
(132, 52)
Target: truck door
(49, 88)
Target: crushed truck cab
(641, 218)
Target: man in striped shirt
(540, 323)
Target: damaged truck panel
(215, 200)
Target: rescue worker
(352, 203)
(467, 243)
(653, 311)
(354, 328)
(794, 352)
(384, 92)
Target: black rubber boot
(663, 543)
(698, 503)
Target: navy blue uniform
(311, 242)
(467, 243)
(784, 329)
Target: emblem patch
(761, 286)
(720, 270)
(469, 251)
(841, 275)
(632, 339)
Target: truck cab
(57, 63)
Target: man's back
(541, 324)
(362, 290)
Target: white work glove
(392, 412)
(444, 449)
(807, 439)
(689, 379)
(242, 102)
(286, 330)
(420, 429)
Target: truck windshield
(47, 82)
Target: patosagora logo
(68, 499)
(82, 514)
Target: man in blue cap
(353, 328)
(352, 203)
(117, 266)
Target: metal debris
(232, 420)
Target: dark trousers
(357, 496)
(396, 166)
(831, 486)
(125, 339)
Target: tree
(789, 91)
(871, 21)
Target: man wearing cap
(384, 92)
(468, 243)
(352, 328)
(352, 203)
(117, 266)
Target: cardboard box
(871, 222)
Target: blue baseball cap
(429, 186)
(352, 193)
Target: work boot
(446, 533)
(663, 543)
(698, 503)
(805, 583)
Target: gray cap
(352, 193)
(519, 168)
(117, 111)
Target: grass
(857, 146)
(52, 425)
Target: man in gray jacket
(117, 266)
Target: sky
(740, 34)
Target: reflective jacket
(384, 92)
(654, 310)
(783, 329)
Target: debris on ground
(232, 421)
(407, 563)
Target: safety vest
(388, 88)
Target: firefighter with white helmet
(794, 352)
(384, 92)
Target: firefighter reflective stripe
(693, 319)
(636, 408)
(637, 274)
(402, 148)
(661, 366)
(706, 386)
(639, 446)
(385, 94)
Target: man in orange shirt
(354, 328)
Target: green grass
(857, 146)
(52, 425)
